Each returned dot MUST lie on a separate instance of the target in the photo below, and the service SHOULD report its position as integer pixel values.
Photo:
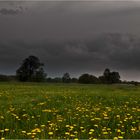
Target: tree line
(31, 70)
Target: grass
(75, 111)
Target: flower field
(69, 111)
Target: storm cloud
(75, 37)
(5, 11)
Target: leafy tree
(88, 79)
(74, 80)
(110, 77)
(114, 77)
(107, 75)
(66, 78)
(31, 69)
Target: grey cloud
(5, 11)
(118, 51)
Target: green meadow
(69, 111)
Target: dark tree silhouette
(66, 78)
(110, 77)
(114, 77)
(31, 69)
(88, 79)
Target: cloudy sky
(72, 36)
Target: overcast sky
(69, 36)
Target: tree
(88, 79)
(31, 69)
(110, 77)
(114, 77)
(66, 78)
(107, 75)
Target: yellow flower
(43, 125)
(6, 129)
(67, 125)
(90, 133)
(67, 133)
(118, 130)
(50, 133)
(115, 138)
(92, 130)
(2, 131)
(23, 131)
(36, 130)
(120, 137)
(29, 133)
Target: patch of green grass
(37, 110)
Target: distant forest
(31, 70)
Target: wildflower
(67, 133)
(36, 130)
(122, 133)
(118, 130)
(120, 137)
(67, 126)
(133, 129)
(75, 132)
(43, 125)
(6, 129)
(108, 129)
(29, 133)
(105, 133)
(23, 131)
(92, 130)
(81, 127)
(115, 138)
(2, 131)
(72, 135)
(50, 133)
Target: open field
(30, 110)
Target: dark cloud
(73, 37)
(116, 51)
(5, 11)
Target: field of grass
(61, 111)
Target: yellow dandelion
(6, 129)
(50, 133)
(2, 131)
(23, 132)
(115, 138)
(29, 133)
(42, 125)
(76, 139)
(106, 118)
(120, 137)
(92, 130)
(75, 132)
(96, 125)
(108, 129)
(105, 133)
(90, 133)
(67, 126)
(81, 127)
(118, 130)
(122, 133)
(84, 130)
(133, 129)
(67, 133)
(72, 135)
